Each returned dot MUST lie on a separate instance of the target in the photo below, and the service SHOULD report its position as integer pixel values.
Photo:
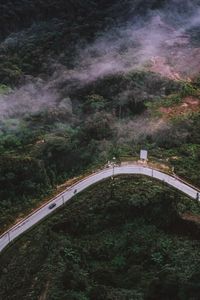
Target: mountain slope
(121, 239)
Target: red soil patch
(179, 60)
(159, 65)
(189, 104)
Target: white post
(9, 236)
(113, 163)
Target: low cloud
(29, 98)
(159, 43)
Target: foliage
(119, 240)
(108, 243)
(63, 146)
(4, 89)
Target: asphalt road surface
(62, 198)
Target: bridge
(125, 169)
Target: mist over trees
(81, 82)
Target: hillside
(121, 239)
(82, 82)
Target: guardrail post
(193, 192)
(197, 197)
(9, 236)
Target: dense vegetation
(17, 15)
(39, 32)
(109, 243)
(41, 150)
(122, 239)
(51, 28)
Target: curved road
(62, 198)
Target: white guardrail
(65, 196)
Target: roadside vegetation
(42, 150)
(76, 91)
(120, 239)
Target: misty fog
(159, 42)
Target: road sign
(143, 154)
